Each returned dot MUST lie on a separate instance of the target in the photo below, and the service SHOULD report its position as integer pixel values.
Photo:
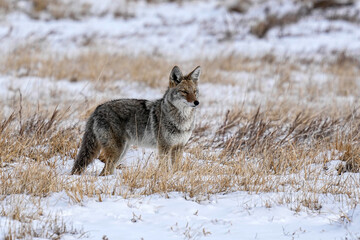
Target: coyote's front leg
(164, 152)
(171, 156)
(176, 156)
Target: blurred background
(91, 34)
(302, 53)
(293, 54)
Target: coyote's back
(166, 123)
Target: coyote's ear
(195, 74)
(175, 76)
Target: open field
(275, 153)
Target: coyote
(166, 124)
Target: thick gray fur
(166, 124)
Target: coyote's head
(185, 88)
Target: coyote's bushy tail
(89, 149)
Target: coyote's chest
(178, 133)
(166, 135)
(179, 138)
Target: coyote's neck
(177, 112)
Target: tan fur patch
(189, 88)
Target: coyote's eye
(184, 92)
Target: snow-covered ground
(181, 31)
(237, 215)
(189, 30)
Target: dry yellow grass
(33, 150)
(89, 65)
(57, 9)
(103, 67)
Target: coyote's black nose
(196, 102)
